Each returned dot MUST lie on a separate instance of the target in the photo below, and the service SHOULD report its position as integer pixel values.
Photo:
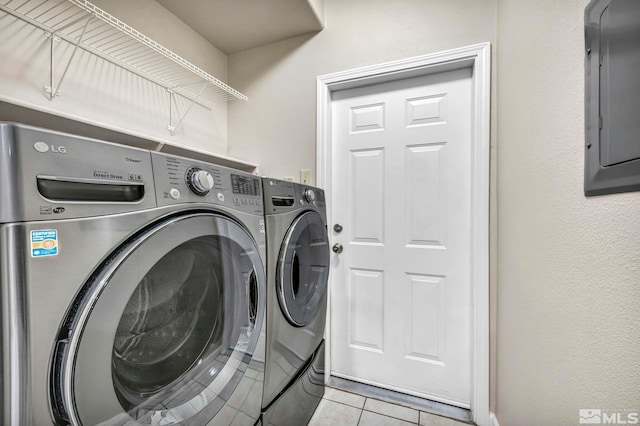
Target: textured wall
(277, 128)
(568, 266)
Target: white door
(402, 191)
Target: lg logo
(44, 147)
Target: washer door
(164, 329)
(303, 269)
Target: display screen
(244, 185)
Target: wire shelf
(92, 29)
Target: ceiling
(236, 25)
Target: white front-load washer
(133, 285)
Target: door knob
(337, 227)
(337, 248)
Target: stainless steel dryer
(297, 279)
(133, 285)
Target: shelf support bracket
(54, 90)
(170, 127)
(172, 99)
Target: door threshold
(422, 404)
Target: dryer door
(303, 269)
(165, 328)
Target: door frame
(478, 58)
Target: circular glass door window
(166, 329)
(174, 323)
(303, 269)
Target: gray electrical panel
(612, 96)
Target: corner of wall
(317, 6)
(493, 420)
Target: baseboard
(493, 420)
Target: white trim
(493, 420)
(476, 57)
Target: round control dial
(309, 195)
(200, 181)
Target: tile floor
(340, 408)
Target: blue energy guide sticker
(44, 243)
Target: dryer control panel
(282, 196)
(184, 180)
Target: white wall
(568, 266)
(276, 128)
(98, 92)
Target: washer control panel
(48, 175)
(184, 180)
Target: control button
(309, 195)
(199, 181)
(220, 196)
(174, 193)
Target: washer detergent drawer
(49, 175)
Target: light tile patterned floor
(340, 408)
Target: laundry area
(319, 212)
